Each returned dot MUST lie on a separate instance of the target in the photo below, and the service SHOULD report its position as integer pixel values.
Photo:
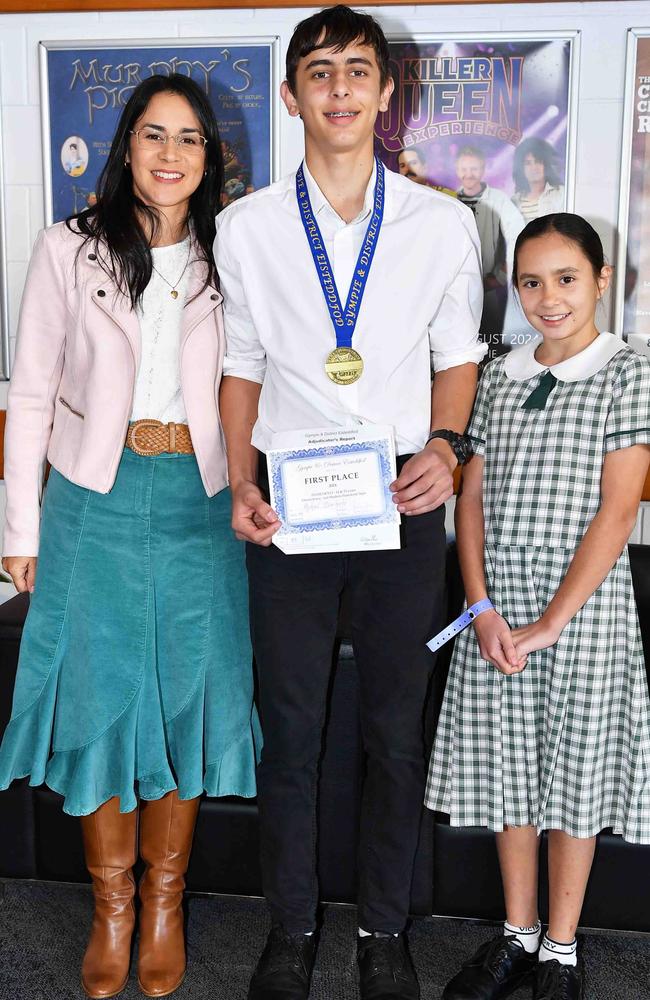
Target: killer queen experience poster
(633, 271)
(488, 120)
(86, 85)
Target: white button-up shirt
(420, 311)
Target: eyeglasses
(189, 142)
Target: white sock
(528, 937)
(565, 954)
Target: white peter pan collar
(521, 363)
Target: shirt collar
(521, 363)
(319, 202)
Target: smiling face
(338, 95)
(534, 171)
(559, 291)
(470, 170)
(166, 175)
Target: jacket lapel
(200, 302)
(119, 309)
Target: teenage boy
(421, 306)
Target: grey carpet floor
(43, 929)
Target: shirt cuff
(252, 371)
(442, 360)
(627, 438)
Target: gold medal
(344, 365)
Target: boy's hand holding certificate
(330, 489)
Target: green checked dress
(565, 744)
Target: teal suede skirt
(135, 670)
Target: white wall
(600, 110)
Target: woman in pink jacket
(134, 689)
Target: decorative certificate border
(85, 84)
(278, 461)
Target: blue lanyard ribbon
(343, 320)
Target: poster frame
(5, 355)
(271, 41)
(633, 36)
(53, 6)
(572, 35)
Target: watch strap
(459, 443)
(467, 617)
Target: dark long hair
(115, 221)
(573, 228)
(543, 153)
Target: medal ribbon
(343, 320)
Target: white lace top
(157, 392)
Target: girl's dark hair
(571, 227)
(336, 28)
(544, 153)
(115, 220)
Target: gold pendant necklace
(174, 286)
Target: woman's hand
(496, 643)
(22, 570)
(539, 635)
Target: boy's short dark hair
(336, 28)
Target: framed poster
(633, 263)
(489, 119)
(85, 85)
(5, 360)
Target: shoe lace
(284, 952)
(555, 980)
(386, 956)
(495, 955)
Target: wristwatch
(459, 443)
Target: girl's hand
(538, 635)
(22, 570)
(496, 645)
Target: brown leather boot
(109, 838)
(166, 831)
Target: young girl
(546, 719)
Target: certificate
(330, 489)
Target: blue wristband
(467, 617)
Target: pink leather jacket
(71, 392)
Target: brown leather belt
(151, 437)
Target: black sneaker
(285, 966)
(555, 981)
(385, 968)
(499, 967)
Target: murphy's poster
(487, 121)
(86, 88)
(634, 258)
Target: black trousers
(396, 600)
